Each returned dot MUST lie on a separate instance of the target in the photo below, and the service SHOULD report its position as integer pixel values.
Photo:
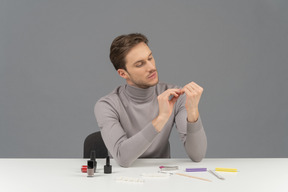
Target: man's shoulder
(112, 97)
(108, 105)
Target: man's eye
(140, 64)
(150, 58)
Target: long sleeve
(125, 150)
(125, 119)
(192, 134)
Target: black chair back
(95, 142)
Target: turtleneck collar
(139, 95)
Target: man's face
(140, 67)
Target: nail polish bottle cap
(93, 158)
(90, 164)
(92, 155)
(108, 167)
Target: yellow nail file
(225, 169)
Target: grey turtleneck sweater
(125, 120)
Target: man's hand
(193, 94)
(165, 107)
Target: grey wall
(54, 66)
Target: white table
(64, 175)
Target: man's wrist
(192, 116)
(159, 123)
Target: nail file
(168, 168)
(196, 169)
(216, 174)
(225, 169)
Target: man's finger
(196, 86)
(168, 92)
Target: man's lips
(152, 75)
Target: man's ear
(122, 73)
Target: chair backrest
(95, 142)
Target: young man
(136, 119)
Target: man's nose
(150, 66)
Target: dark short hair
(120, 47)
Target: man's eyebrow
(141, 59)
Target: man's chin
(151, 84)
(146, 86)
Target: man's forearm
(159, 123)
(196, 141)
(126, 150)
